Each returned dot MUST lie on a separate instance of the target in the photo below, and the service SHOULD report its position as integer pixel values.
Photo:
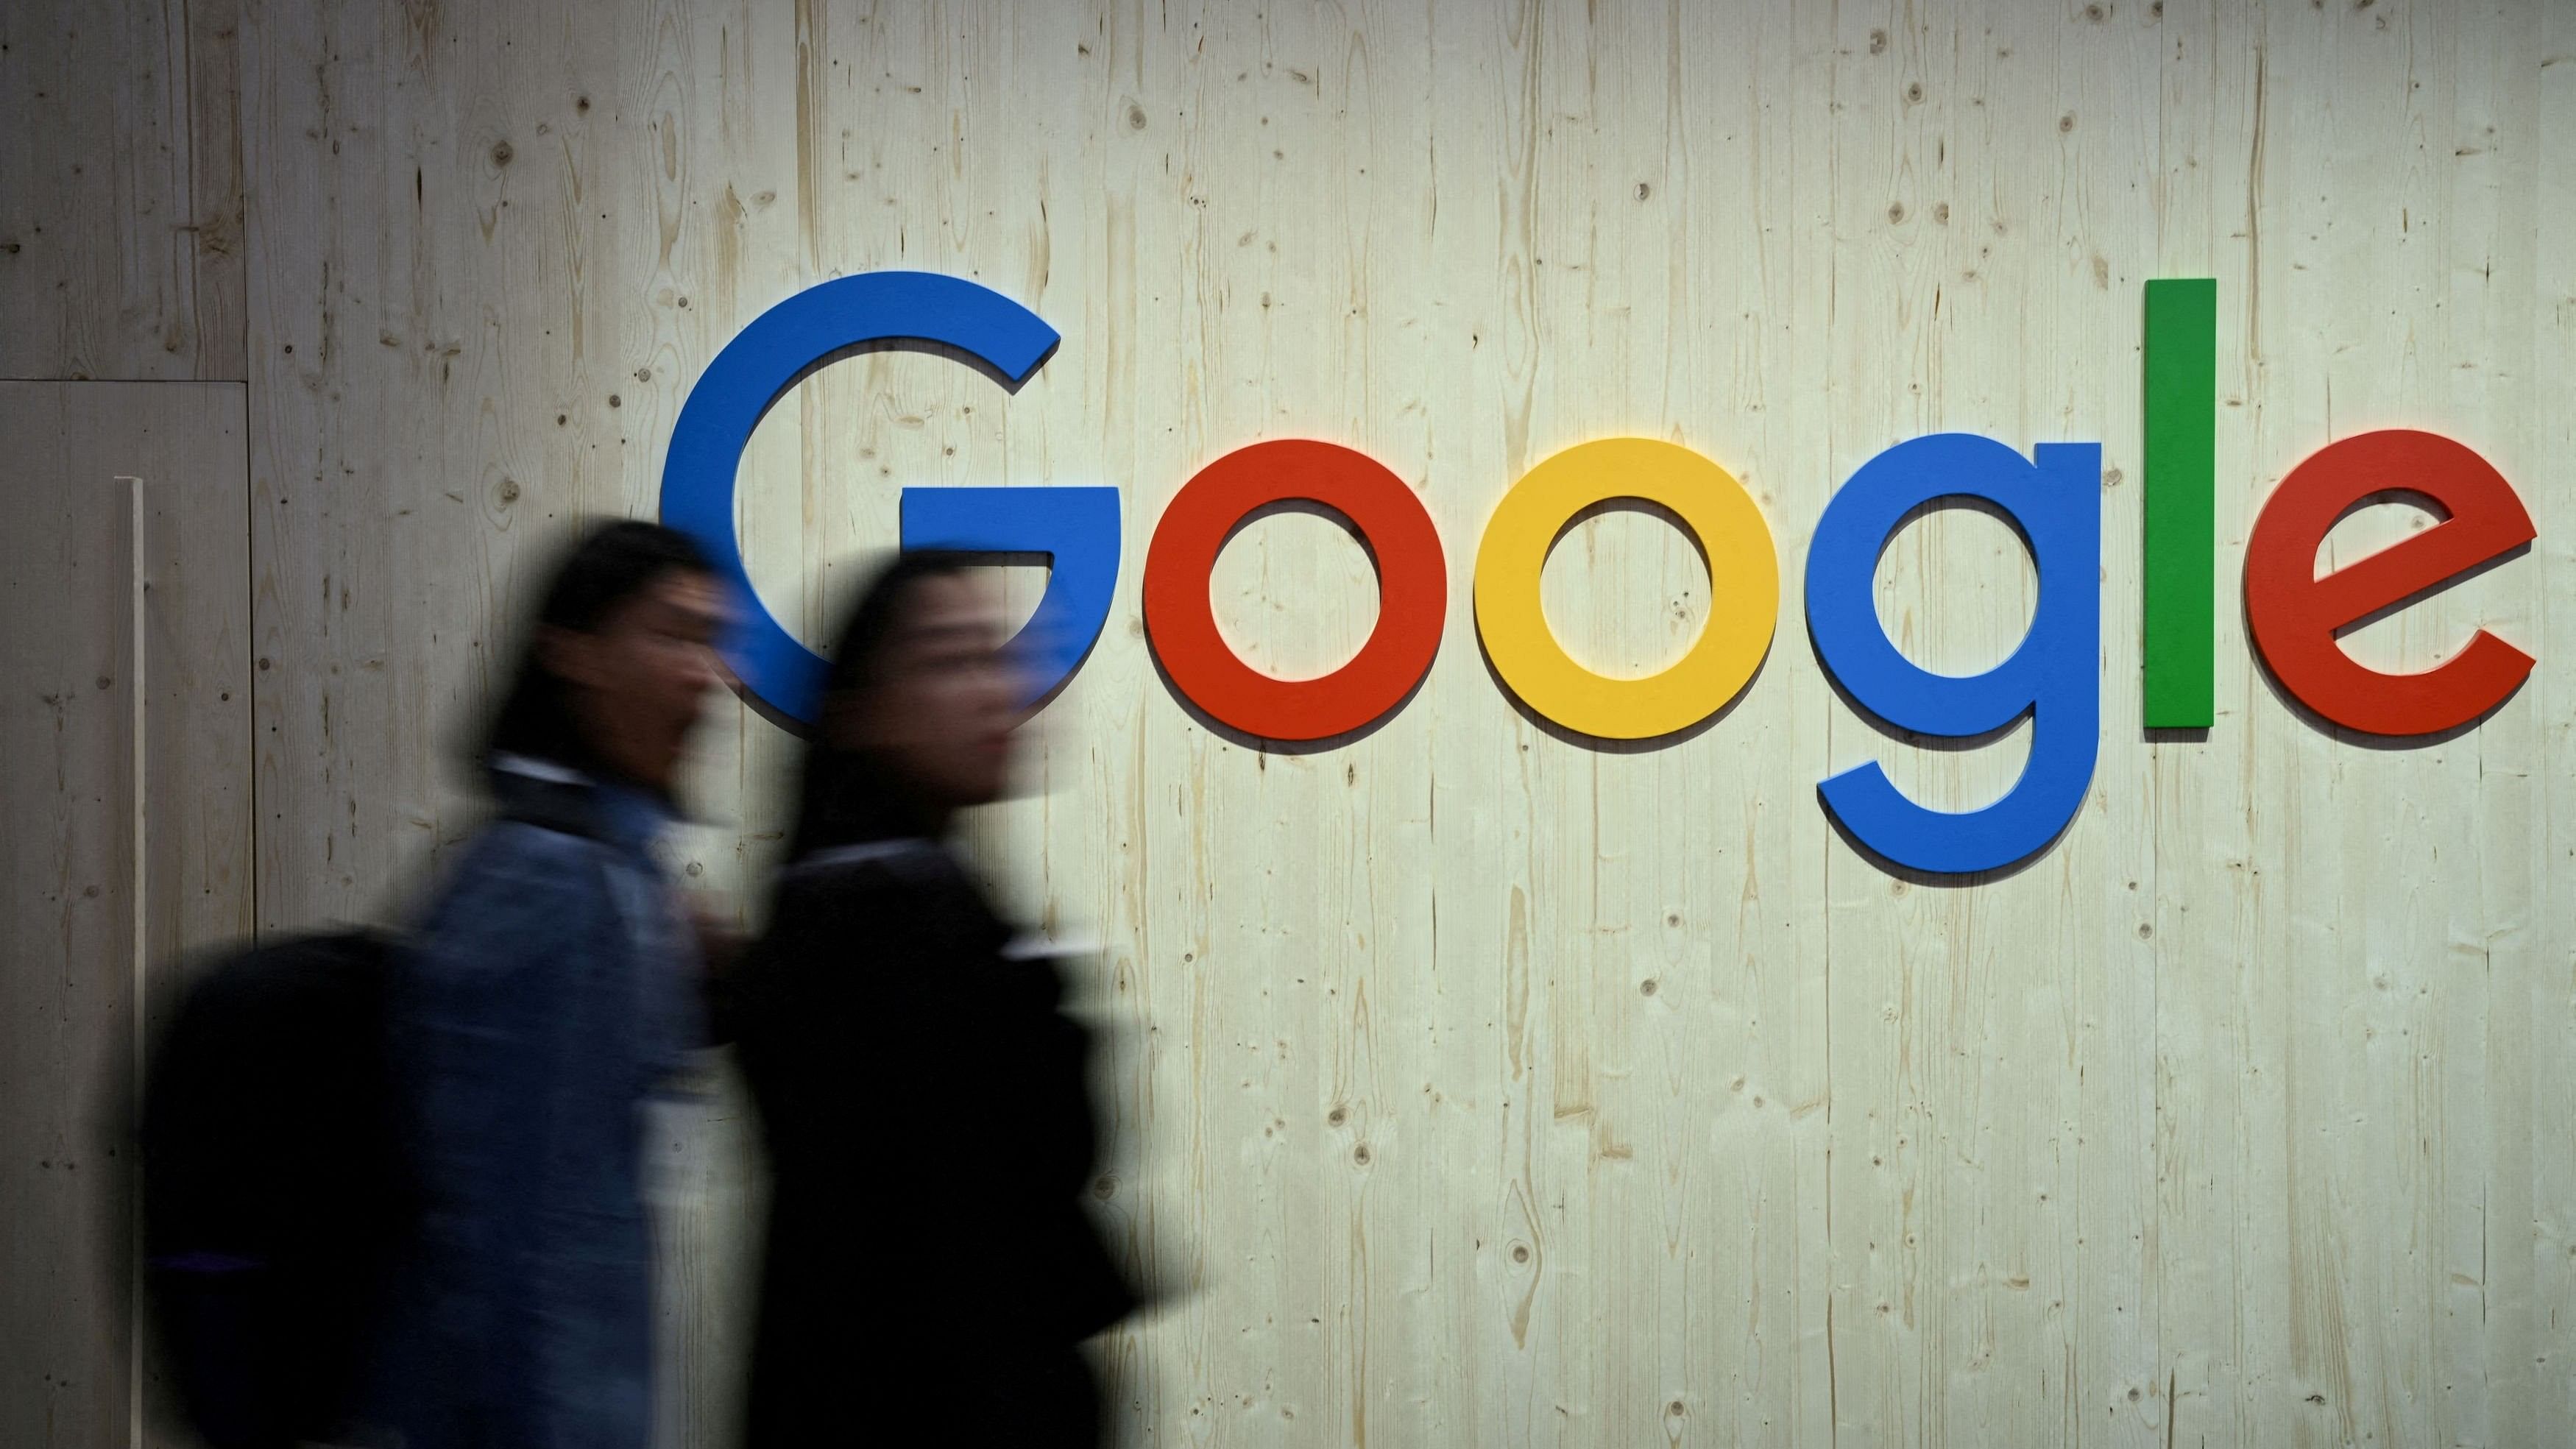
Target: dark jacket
(930, 1267)
(552, 988)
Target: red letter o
(1413, 589)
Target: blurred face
(640, 679)
(943, 704)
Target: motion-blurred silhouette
(553, 987)
(931, 1272)
(391, 1183)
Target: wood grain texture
(120, 191)
(69, 1008)
(72, 999)
(1483, 1086)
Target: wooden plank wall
(70, 951)
(1485, 1087)
(83, 899)
(120, 219)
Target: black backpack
(278, 1193)
(276, 1196)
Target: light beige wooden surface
(81, 898)
(120, 191)
(1484, 1087)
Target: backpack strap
(911, 861)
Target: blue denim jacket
(550, 992)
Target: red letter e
(2295, 615)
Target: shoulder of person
(906, 895)
(906, 862)
(918, 873)
(821, 890)
(512, 839)
(519, 880)
(533, 860)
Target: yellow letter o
(1743, 577)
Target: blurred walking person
(931, 1272)
(552, 986)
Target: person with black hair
(550, 989)
(931, 1273)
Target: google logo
(2053, 498)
